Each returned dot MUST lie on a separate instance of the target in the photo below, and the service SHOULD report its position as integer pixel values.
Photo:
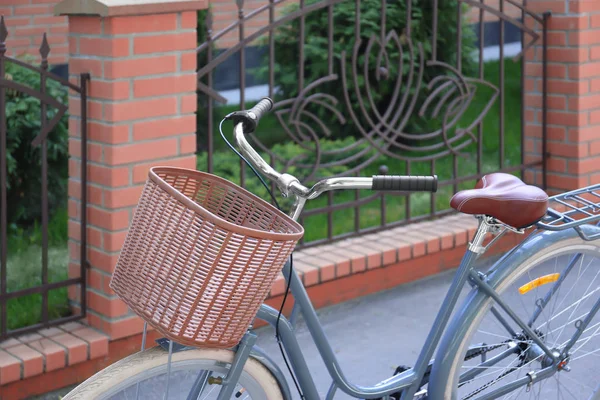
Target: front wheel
(489, 352)
(193, 374)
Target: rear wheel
(493, 354)
(194, 374)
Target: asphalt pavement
(371, 335)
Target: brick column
(141, 108)
(573, 94)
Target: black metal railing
(415, 97)
(9, 86)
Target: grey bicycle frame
(407, 382)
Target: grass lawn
(343, 220)
(24, 270)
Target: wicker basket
(200, 256)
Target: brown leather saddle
(504, 197)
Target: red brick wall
(27, 20)
(573, 95)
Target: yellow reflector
(542, 280)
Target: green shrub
(382, 80)
(24, 161)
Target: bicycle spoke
(531, 392)
(503, 369)
(566, 388)
(573, 287)
(500, 321)
(502, 337)
(540, 387)
(565, 324)
(486, 367)
(528, 364)
(558, 387)
(209, 392)
(516, 394)
(484, 346)
(199, 385)
(586, 340)
(537, 288)
(586, 354)
(169, 369)
(563, 344)
(494, 372)
(523, 304)
(556, 287)
(556, 304)
(566, 376)
(584, 297)
(575, 304)
(557, 312)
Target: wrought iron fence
(10, 87)
(403, 89)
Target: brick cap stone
(113, 8)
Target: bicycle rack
(572, 210)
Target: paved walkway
(370, 335)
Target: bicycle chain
(475, 354)
(492, 382)
(484, 350)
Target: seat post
(476, 245)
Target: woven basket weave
(200, 256)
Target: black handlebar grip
(405, 183)
(251, 117)
(261, 108)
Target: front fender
(257, 353)
(442, 370)
(260, 355)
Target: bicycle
(505, 340)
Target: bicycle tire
(144, 365)
(454, 351)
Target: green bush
(382, 80)
(24, 161)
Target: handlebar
(249, 118)
(246, 122)
(405, 183)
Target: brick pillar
(573, 94)
(141, 107)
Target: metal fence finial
(3, 35)
(44, 51)
(209, 22)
